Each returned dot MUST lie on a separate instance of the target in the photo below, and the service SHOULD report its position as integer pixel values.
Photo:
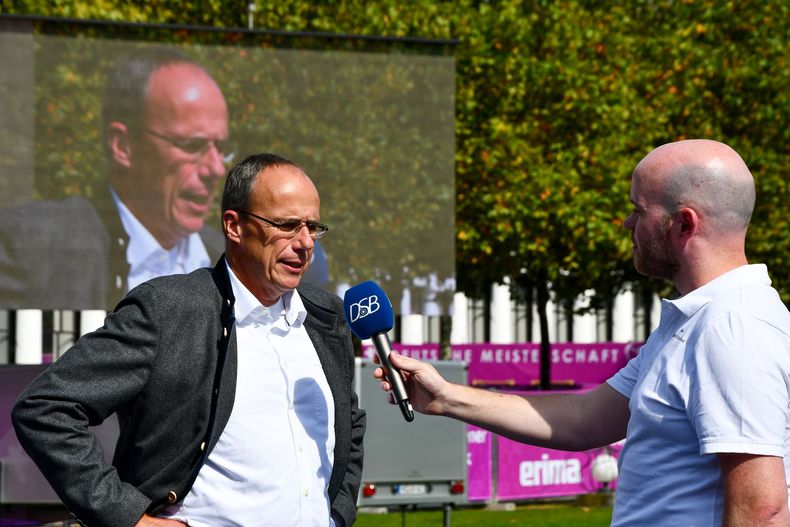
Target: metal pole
(494, 469)
(448, 508)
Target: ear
(231, 226)
(119, 143)
(687, 225)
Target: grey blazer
(165, 362)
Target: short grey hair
(241, 179)
(126, 89)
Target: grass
(534, 515)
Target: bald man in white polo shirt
(704, 405)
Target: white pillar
(585, 327)
(551, 315)
(655, 312)
(29, 340)
(91, 320)
(412, 329)
(501, 315)
(623, 317)
(405, 302)
(535, 323)
(341, 289)
(460, 331)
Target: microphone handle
(383, 348)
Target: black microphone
(369, 315)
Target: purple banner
(533, 472)
(522, 471)
(478, 460)
(518, 365)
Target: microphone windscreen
(368, 310)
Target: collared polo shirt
(714, 377)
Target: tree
(556, 103)
(559, 100)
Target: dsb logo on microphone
(367, 310)
(365, 307)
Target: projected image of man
(167, 145)
(165, 130)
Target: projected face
(268, 261)
(175, 163)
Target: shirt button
(306, 493)
(171, 497)
(202, 446)
(121, 242)
(118, 281)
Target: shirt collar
(745, 275)
(289, 307)
(143, 247)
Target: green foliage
(559, 100)
(556, 103)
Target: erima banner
(524, 472)
(116, 140)
(518, 365)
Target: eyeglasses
(196, 146)
(293, 226)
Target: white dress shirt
(271, 465)
(146, 257)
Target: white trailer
(419, 463)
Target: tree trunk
(545, 348)
(445, 330)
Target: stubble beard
(654, 258)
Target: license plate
(411, 489)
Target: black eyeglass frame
(315, 228)
(199, 145)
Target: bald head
(705, 175)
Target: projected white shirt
(712, 378)
(147, 259)
(272, 463)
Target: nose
(303, 239)
(213, 162)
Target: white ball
(604, 468)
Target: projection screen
(370, 120)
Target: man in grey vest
(232, 385)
